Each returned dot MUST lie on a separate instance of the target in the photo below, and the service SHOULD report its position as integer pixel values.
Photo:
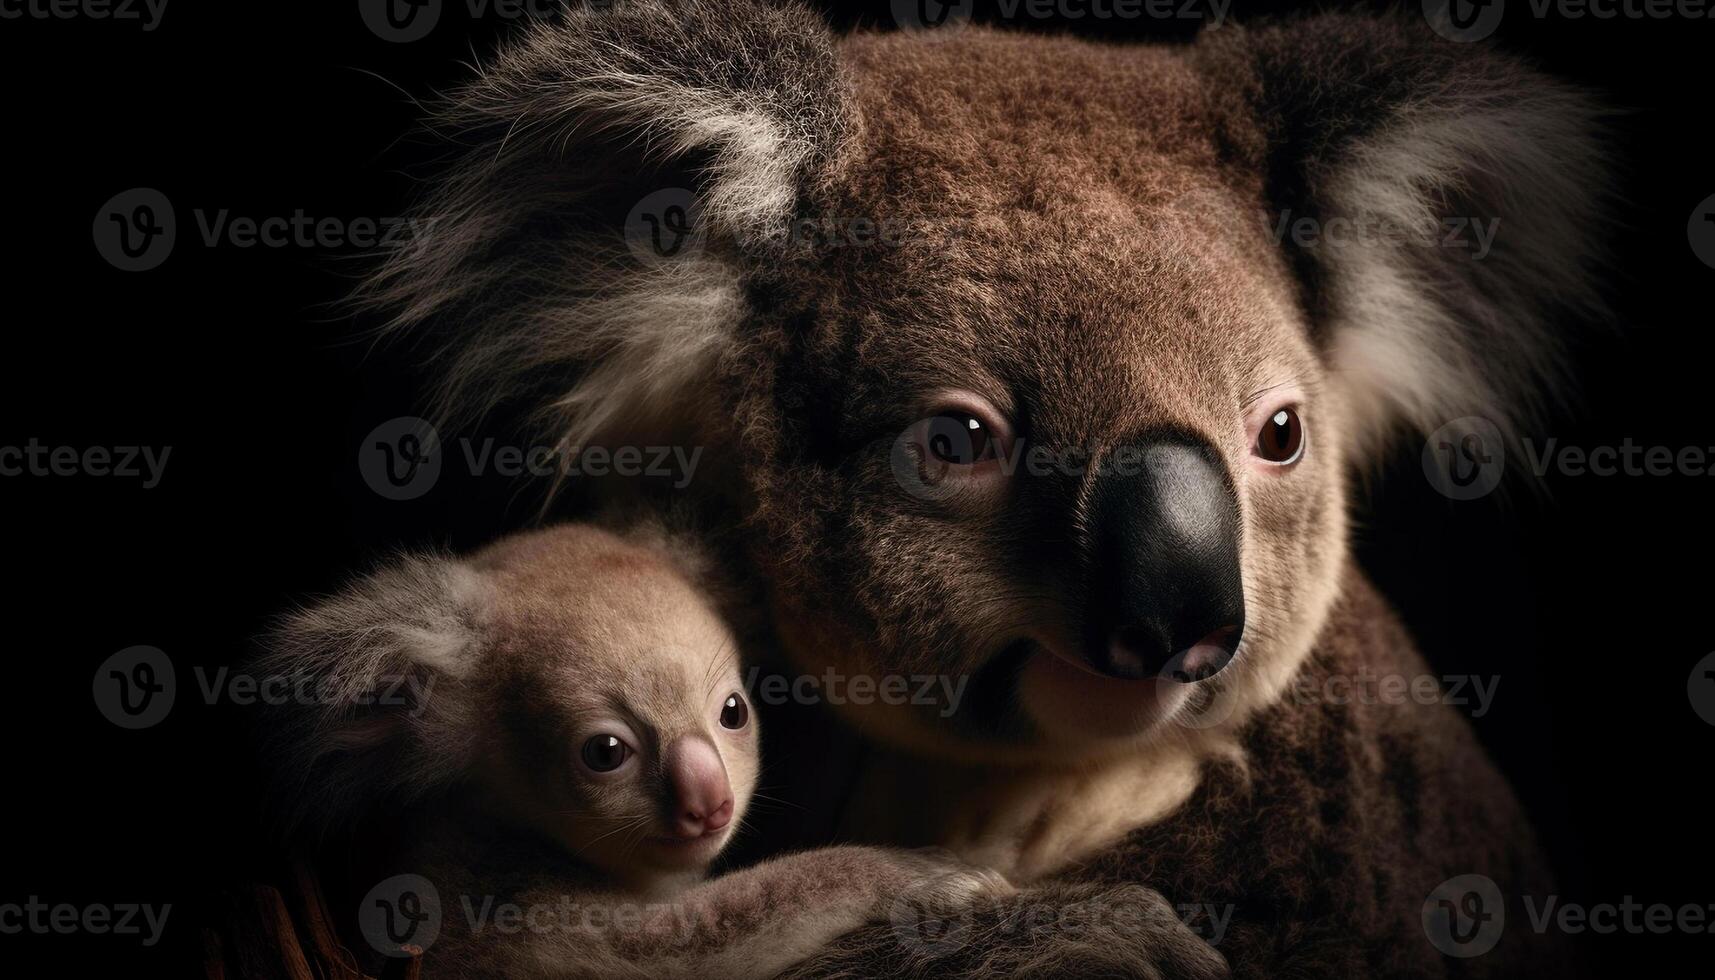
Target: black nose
(1166, 597)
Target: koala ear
(1452, 198)
(523, 256)
(367, 696)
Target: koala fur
(1084, 251)
(519, 657)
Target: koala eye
(605, 753)
(961, 439)
(956, 453)
(734, 712)
(1281, 440)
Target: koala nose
(702, 797)
(1167, 599)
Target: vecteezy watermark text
(919, 923)
(952, 14)
(136, 230)
(1465, 458)
(137, 687)
(99, 919)
(33, 458)
(147, 13)
(1466, 916)
(835, 688)
(402, 459)
(1464, 233)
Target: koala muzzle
(702, 796)
(1166, 598)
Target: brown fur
(533, 645)
(1082, 245)
(1324, 843)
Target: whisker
(764, 798)
(629, 825)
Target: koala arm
(755, 922)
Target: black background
(1588, 603)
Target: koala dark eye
(961, 439)
(734, 713)
(605, 753)
(956, 453)
(1281, 440)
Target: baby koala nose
(702, 797)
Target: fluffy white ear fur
(1425, 338)
(523, 258)
(377, 707)
(1387, 126)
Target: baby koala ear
(1442, 204)
(377, 707)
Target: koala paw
(936, 875)
(935, 890)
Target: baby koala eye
(734, 712)
(1281, 440)
(605, 753)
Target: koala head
(1033, 360)
(568, 682)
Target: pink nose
(702, 799)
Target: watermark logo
(135, 687)
(400, 21)
(400, 459)
(404, 21)
(945, 14)
(1209, 704)
(403, 459)
(407, 693)
(1465, 458)
(663, 226)
(923, 921)
(1474, 20)
(401, 916)
(1464, 916)
(932, 14)
(1700, 688)
(1701, 231)
(135, 230)
(1464, 20)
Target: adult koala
(1007, 374)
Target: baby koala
(560, 725)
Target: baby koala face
(621, 728)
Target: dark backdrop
(1588, 604)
